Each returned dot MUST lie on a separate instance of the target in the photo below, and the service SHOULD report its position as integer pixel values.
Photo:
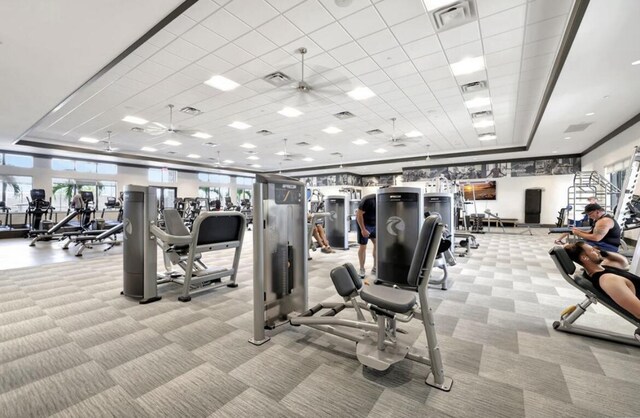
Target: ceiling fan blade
(159, 125)
(187, 132)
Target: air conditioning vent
(171, 152)
(137, 129)
(481, 115)
(302, 144)
(577, 127)
(250, 152)
(264, 132)
(399, 144)
(339, 154)
(191, 110)
(473, 87)
(277, 79)
(344, 115)
(210, 144)
(374, 132)
(453, 15)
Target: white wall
(615, 150)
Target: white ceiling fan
(157, 128)
(308, 93)
(108, 148)
(402, 139)
(287, 156)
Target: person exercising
(607, 272)
(605, 233)
(77, 204)
(583, 222)
(366, 220)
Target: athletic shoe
(373, 270)
(362, 273)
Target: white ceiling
(389, 46)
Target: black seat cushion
(389, 298)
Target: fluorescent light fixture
(360, 142)
(636, 62)
(477, 102)
(483, 123)
(89, 140)
(589, 114)
(290, 112)
(247, 145)
(256, 165)
(221, 83)
(437, 4)
(172, 142)
(193, 156)
(554, 152)
(487, 137)
(567, 137)
(468, 66)
(239, 125)
(361, 93)
(149, 149)
(201, 135)
(316, 148)
(228, 161)
(380, 150)
(308, 159)
(253, 157)
(332, 130)
(135, 120)
(413, 134)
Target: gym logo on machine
(395, 225)
(333, 215)
(127, 227)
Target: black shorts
(372, 234)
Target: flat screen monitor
(481, 191)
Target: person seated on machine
(583, 222)
(607, 272)
(605, 233)
(320, 236)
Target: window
(62, 191)
(85, 167)
(104, 168)
(106, 189)
(16, 160)
(80, 166)
(15, 190)
(60, 165)
(162, 175)
(214, 178)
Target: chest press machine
(592, 295)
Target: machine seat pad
(389, 298)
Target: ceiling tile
(362, 66)
(341, 11)
(215, 64)
(540, 10)
(543, 47)
(201, 10)
(363, 23)
(258, 67)
(204, 38)
(226, 25)
(489, 7)
(396, 11)
(414, 29)
(309, 16)
(279, 58)
(321, 63)
(374, 77)
(233, 54)
(330, 36)
(390, 57)
(185, 50)
(422, 47)
(348, 53)
(460, 35)
(253, 12)
(170, 60)
(504, 21)
(504, 69)
(280, 31)
(448, 83)
(378, 42)
(436, 74)
(429, 62)
(503, 57)
(162, 38)
(545, 29)
(146, 50)
(400, 70)
(254, 43)
(504, 40)
(409, 80)
(472, 49)
(180, 25)
(284, 5)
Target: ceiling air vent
(277, 78)
(191, 110)
(210, 144)
(453, 15)
(171, 152)
(577, 127)
(374, 132)
(339, 154)
(302, 144)
(344, 115)
(137, 129)
(264, 132)
(250, 152)
(473, 87)
(481, 115)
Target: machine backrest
(215, 227)
(424, 246)
(562, 260)
(355, 277)
(342, 281)
(174, 224)
(111, 202)
(38, 194)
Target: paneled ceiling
(391, 47)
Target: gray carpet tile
(71, 345)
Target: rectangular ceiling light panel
(468, 66)
(239, 125)
(135, 120)
(221, 83)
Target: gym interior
(183, 183)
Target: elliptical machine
(38, 208)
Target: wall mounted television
(485, 190)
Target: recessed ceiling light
(554, 152)
(136, 120)
(239, 125)
(589, 114)
(477, 102)
(380, 150)
(483, 124)
(256, 165)
(436, 4)
(307, 159)
(360, 142)
(332, 130)
(567, 137)
(228, 161)
(487, 137)
(201, 135)
(636, 62)
(172, 142)
(413, 134)
(253, 157)
(89, 140)
(361, 93)
(149, 149)
(316, 148)
(193, 156)
(247, 145)
(290, 112)
(221, 83)
(468, 66)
